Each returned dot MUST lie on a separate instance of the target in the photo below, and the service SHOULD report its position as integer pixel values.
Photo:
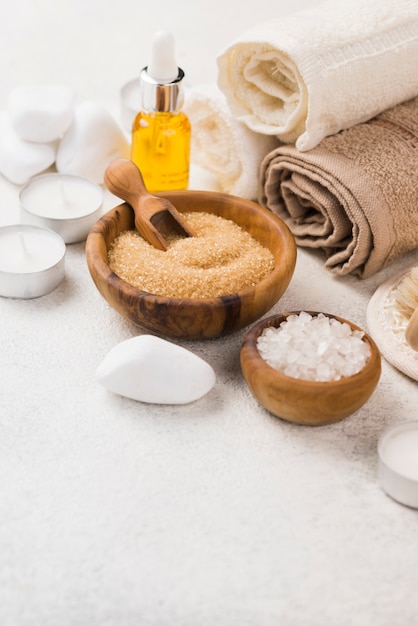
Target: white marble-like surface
(114, 513)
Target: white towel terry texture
(222, 144)
(313, 73)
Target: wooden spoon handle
(123, 178)
(411, 332)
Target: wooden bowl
(304, 401)
(195, 318)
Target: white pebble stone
(19, 159)
(150, 369)
(41, 113)
(91, 142)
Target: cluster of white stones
(43, 126)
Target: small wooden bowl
(195, 318)
(304, 401)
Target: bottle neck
(161, 97)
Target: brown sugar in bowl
(301, 401)
(195, 318)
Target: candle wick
(23, 244)
(64, 197)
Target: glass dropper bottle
(161, 132)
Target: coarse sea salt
(314, 347)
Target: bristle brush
(406, 298)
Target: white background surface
(114, 513)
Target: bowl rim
(218, 301)
(249, 350)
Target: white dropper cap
(163, 66)
(160, 82)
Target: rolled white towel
(224, 146)
(315, 72)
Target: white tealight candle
(31, 261)
(65, 203)
(398, 462)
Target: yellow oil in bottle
(161, 149)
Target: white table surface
(116, 513)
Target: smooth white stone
(19, 159)
(41, 113)
(91, 142)
(150, 369)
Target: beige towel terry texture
(355, 195)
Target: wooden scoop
(154, 216)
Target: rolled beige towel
(224, 146)
(355, 196)
(313, 73)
